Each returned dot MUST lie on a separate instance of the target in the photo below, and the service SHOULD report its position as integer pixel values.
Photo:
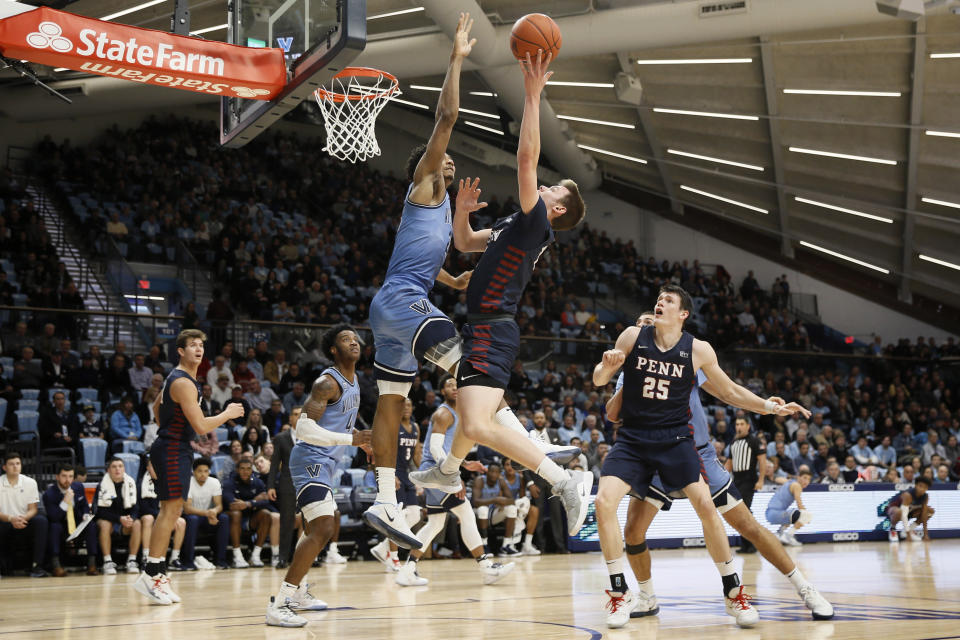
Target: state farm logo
(246, 92)
(49, 34)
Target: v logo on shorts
(421, 306)
(314, 469)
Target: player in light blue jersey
(439, 439)
(326, 424)
(726, 498)
(407, 328)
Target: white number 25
(654, 388)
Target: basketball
(535, 31)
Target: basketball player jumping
(324, 428)
(180, 419)
(491, 337)
(726, 499)
(439, 438)
(407, 328)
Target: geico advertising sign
(61, 39)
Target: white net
(350, 109)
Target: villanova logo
(421, 306)
(314, 469)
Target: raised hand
(535, 74)
(233, 411)
(462, 44)
(613, 359)
(468, 196)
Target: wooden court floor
(879, 591)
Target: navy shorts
(440, 501)
(173, 462)
(677, 463)
(407, 494)
(489, 351)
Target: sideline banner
(60, 39)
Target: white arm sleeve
(312, 433)
(436, 447)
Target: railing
(158, 324)
(124, 280)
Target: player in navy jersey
(325, 426)
(912, 504)
(180, 419)
(491, 336)
(409, 451)
(660, 365)
(727, 500)
(407, 327)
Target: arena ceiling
(743, 139)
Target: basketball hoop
(350, 108)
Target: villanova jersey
(338, 417)
(782, 498)
(172, 422)
(701, 430)
(515, 487)
(506, 266)
(421, 245)
(427, 461)
(406, 444)
(487, 492)
(658, 385)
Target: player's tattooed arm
(324, 391)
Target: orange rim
(363, 72)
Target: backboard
(319, 38)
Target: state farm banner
(61, 39)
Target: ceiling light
(488, 94)
(943, 134)
(942, 203)
(942, 263)
(480, 126)
(843, 257)
(423, 87)
(412, 104)
(711, 159)
(479, 113)
(134, 296)
(844, 210)
(825, 92)
(605, 123)
(945, 55)
(697, 61)
(597, 85)
(394, 13)
(132, 9)
(722, 199)
(208, 30)
(705, 114)
(844, 156)
(612, 153)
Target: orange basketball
(535, 31)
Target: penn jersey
(506, 266)
(338, 417)
(172, 422)
(427, 460)
(657, 388)
(421, 245)
(701, 430)
(406, 445)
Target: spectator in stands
(205, 515)
(235, 455)
(116, 380)
(248, 505)
(885, 453)
(87, 425)
(237, 397)
(206, 444)
(115, 507)
(253, 364)
(65, 504)
(276, 368)
(120, 349)
(244, 377)
(803, 457)
(222, 391)
(27, 373)
(148, 508)
(863, 423)
(784, 461)
(275, 417)
(20, 517)
(905, 443)
(891, 475)
(124, 425)
(295, 373)
(219, 370)
(932, 447)
(943, 474)
(821, 459)
(951, 449)
(140, 374)
(297, 397)
(84, 376)
(832, 475)
(54, 424)
(259, 397)
(144, 410)
(49, 342)
(862, 453)
(839, 448)
(116, 228)
(208, 405)
(849, 471)
(909, 474)
(14, 343)
(54, 371)
(253, 435)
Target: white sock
(333, 548)
(551, 471)
(484, 561)
(154, 560)
(107, 558)
(483, 541)
(174, 555)
(616, 566)
(528, 539)
(646, 587)
(507, 418)
(256, 553)
(726, 568)
(287, 590)
(451, 464)
(797, 579)
(386, 485)
(146, 553)
(237, 553)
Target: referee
(746, 456)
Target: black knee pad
(636, 549)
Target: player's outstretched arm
(465, 239)
(427, 173)
(441, 420)
(720, 386)
(325, 389)
(535, 76)
(614, 358)
(184, 393)
(460, 282)
(797, 490)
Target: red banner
(61, 39)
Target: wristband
(531, 483)
(769, 406)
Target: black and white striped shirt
(743, 454)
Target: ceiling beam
(645, 116)
(913, 151)
(776, 148)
